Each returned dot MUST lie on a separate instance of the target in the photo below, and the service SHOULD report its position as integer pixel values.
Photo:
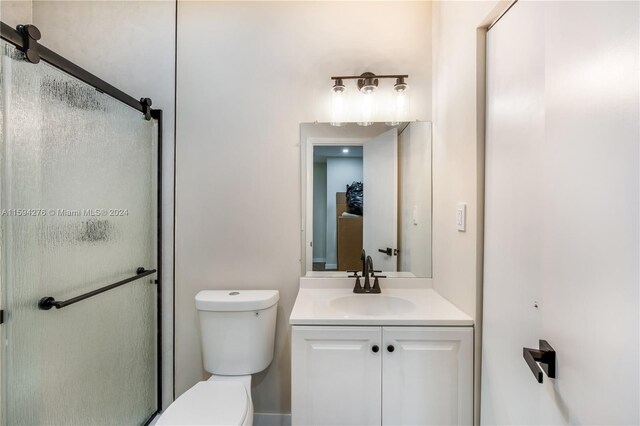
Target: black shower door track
(23, 43)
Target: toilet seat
(209, 403)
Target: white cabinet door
(336, 375)
(427, 375)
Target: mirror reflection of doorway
(337, 226)
(396, 198)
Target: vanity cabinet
(371, 375)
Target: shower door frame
(32, 49)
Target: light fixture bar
(359, 77)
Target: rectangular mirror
(366, 188)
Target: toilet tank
(237, 330)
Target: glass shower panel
(78, 212)
(2, 334)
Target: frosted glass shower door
(78, 212)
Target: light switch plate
(461, 217)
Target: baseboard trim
(271, 419)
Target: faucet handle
(376, 284)
(355, 274)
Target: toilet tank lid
(236, 300)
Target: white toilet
(237, 332)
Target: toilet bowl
(237, 333)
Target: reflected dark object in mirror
(355, 198)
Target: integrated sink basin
(372, 305)
(403, 302)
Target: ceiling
(321, 153)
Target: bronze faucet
(367, 269)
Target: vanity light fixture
(398, 110)
(345, 150)
(338, 95)
(368, 84)
(400, 85)
(338, 86)
(367, 108)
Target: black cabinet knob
(390, 348)
(375, 348)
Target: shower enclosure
(80, 243)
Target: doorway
(337, 223)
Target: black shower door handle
(49, 302)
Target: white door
(380, 210)
(427, 376)
(561, 213)
(336, 375)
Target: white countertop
(313, 305)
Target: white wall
(414, 199)
(248, 74)
(455, 149)
(129, 44)
(340, 173)
(15, 12)
(320, 212)
(458, 156)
